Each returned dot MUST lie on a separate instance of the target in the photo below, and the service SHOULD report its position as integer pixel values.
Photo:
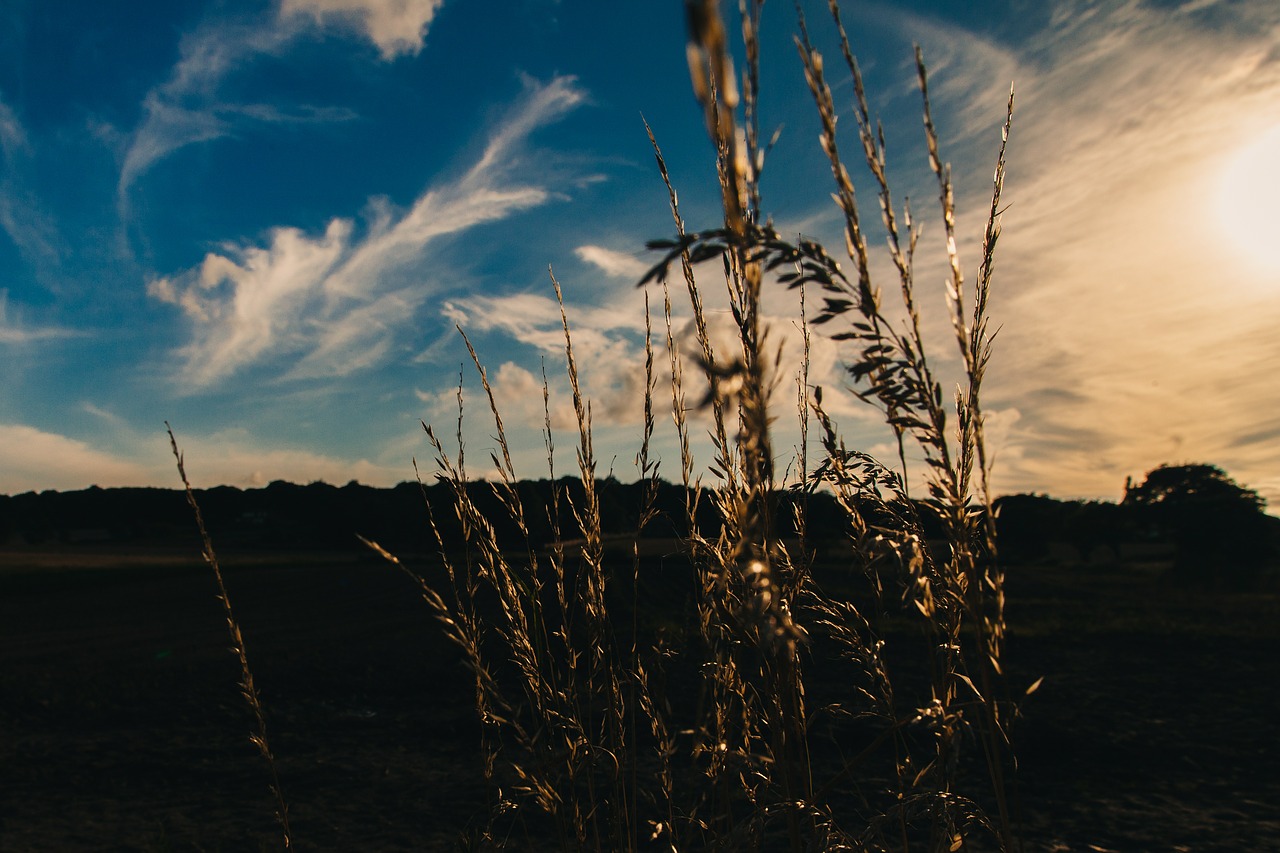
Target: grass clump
(769, 686)
(711, 731)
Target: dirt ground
(121, 727)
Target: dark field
(121, 727)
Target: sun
(1248, 200)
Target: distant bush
(1027, 525)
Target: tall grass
(604, 734)
(756, 690)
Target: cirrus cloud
(190, 107)
(332, 304)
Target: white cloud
(32, 459)
(237, 458)
(395, 26)
(170, 125)
(534, 320)
(27, 225)
(519, 395)
(613, 263)
(243, 305)
(608, 342)
(107, 416)
(333, 304)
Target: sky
(265, 222)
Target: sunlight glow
(1248, 201)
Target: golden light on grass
(1247, 198)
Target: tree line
(1210, 525)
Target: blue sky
(262, 221)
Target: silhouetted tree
(1219, 528)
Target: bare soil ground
(121, 727)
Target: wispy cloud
(187, 108)
(14, 332)
(108, 417)
(965, 67)
(21, 215)
(332, 304)
(190, 106)
(1126, 315)
(612, 262)
(12, 135)
(534, 319)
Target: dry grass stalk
(248, 689)
(569, 735)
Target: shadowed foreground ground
(121, 727)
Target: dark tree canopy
(1194, 485)
(1217, 525)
